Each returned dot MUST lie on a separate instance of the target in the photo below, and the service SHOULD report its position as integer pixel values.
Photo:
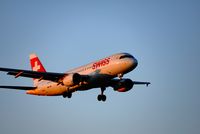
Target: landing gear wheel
(68, 95)
(103, 98)
(99, 98)
(64, 95)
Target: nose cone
(131, 64)
(134, 63)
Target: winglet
(147, 84)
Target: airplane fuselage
(99, 72)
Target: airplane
(106, 72)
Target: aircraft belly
(95, 81)
(51, 90)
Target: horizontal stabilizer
(18, 87)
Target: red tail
(37, 66)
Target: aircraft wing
(33, 74)
(18, 87)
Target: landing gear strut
(120, 76)
(102, 97)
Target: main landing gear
(68, 95)
(102, 97)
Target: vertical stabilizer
(37, 66)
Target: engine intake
(123, 85)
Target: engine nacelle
(123, 85)
(72, 79)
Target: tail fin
(37, 66)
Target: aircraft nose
(134, 63)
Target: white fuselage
(99, 71)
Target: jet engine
(123, 85)
(72, 79)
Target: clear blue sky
(163, 35)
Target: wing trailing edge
(18, 87)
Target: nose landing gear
(102, 97)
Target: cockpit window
(125, 56)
